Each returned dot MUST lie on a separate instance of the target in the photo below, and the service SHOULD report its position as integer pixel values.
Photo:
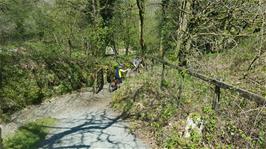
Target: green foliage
(165, 117)
(174, 141)
(210, 123)
(124, 32)
(30, 135)
(97, 38)
(21, 20)
(40, 73)
(53, 46)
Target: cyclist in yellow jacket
(118, 72)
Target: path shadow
(95, 130)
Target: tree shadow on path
(95, 130)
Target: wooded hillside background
(51, 47)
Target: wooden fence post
(216, 98)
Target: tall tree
(184, 41)
(163, 37)
(141, 8)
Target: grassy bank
(29, 135)
(237, 123)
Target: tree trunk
(127, 41)
(127, 48)
(141, 7)
(162, 50)
(95, 11)
(184, 41)
(163, 73)
(114, 47)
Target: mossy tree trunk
(184, 41)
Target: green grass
(30, 135)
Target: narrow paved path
(84, 121)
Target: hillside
(184, 73)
